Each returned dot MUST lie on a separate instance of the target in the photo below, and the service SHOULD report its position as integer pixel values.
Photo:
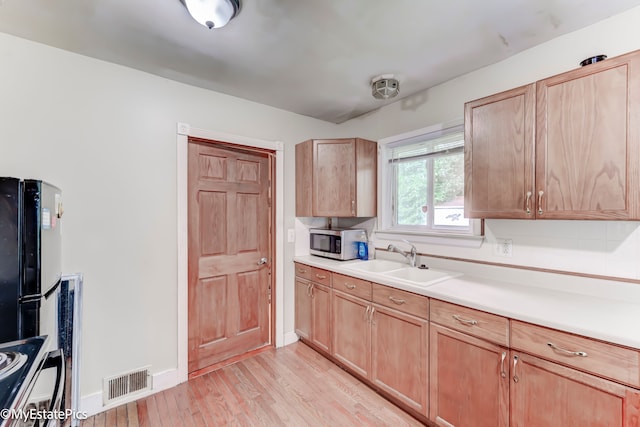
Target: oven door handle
(55, 359)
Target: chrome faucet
(409, 255)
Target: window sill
(446, 239)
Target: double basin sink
(415, 276)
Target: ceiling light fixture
(213, 13)
(385, 86)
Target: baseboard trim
(290, 338)
(92, 403)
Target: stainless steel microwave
(336, 243)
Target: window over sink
(422, 182)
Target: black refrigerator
(30, 258)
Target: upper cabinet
(498, 154)
(585, 162)
(336, 178)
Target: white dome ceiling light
(213, 13)
(385, 86)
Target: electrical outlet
(291, 235)
(504, 247)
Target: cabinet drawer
(490, 327)
(351, 285)
(404, 301)
(314, 274)
(603, 359)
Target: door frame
(184, 131)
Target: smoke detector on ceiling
(385, 86)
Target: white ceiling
(312, 57)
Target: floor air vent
(115, 388)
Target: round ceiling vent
(385, 86)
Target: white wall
(595, 247)
(106, 135)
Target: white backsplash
(605, 248)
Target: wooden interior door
(229, 234)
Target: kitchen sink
(420, 276)
(377, 265)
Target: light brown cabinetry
(377, 339)
(336, 178)
(313, 307)
(469, 367)
(587, 142)
(544, 392)
(400, 346)
(352, 332)
(498, 154)
(547, 394)
(584, 165)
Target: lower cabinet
(469, 380)
(400, 356)
(385, 346)
(313, 313)
(352, 332)
(547, 394)
(458, 366)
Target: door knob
(263, 260)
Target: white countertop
(594, 316)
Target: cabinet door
(352, 332)
(547, 394)
(321, 317)
(303, 308)
(304, 174)
(400, 356)
(587, 143)
(498, 155)
(469, 380)
(334, 178)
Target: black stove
(19, 362)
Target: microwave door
(322, 242)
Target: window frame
(386, 228)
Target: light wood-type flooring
(291, 386)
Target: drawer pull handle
(397, 301)
(302, 271)
(348, 286)
(515, 363)
(321, 277)
(469, 322)
(366, 313)
(567, 352)
(373, 311)
(503, 374)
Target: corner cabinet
(567, 147)
(336, 178)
